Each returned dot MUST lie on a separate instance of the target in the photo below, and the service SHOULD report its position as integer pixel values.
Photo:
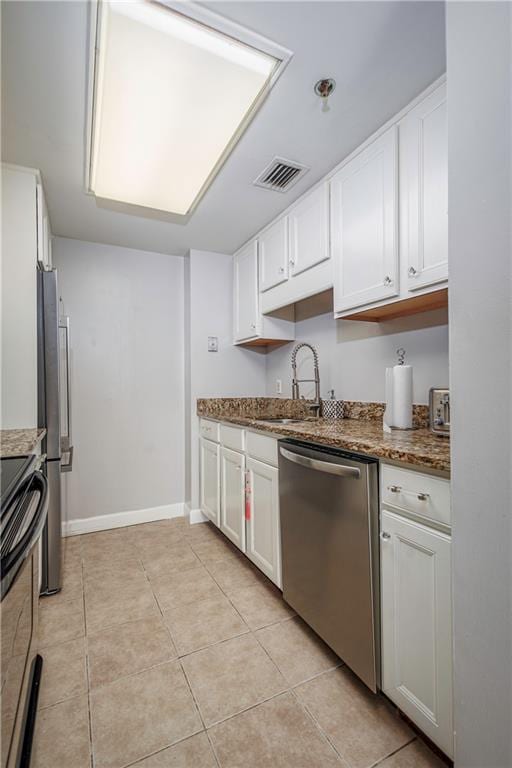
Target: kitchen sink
(281, 421)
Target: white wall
(479, 41)
(230, 372)
(126, 310)
(354, 355)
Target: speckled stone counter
(363, 434)
(14, 442)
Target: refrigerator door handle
(66, 439)
(68, 467)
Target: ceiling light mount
(323, 88)
(151, 142)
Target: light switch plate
(213, 343)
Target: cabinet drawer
(232, 437)
(209, 430)
(262, 447)
(423, 495)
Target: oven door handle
(342, 470)
(25, 544)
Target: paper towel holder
(387, 417)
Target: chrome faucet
(315, 406)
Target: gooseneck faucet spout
(315, 406)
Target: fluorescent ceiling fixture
(171, 96)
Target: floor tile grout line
(213, 645)
(226, 594)
(248, 709)
(196, 703)
(319, 674)
(319, 728)
(271, 659)
(106, 627)
(212, 747)
(307, 680)
(163, 749)
(95, 688)
(395, 751)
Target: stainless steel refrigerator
(54, 414)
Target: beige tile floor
(167, 649)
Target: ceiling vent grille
(280, 175)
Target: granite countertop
(364, 434)
(14, 442)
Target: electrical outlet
(213, 343)
(279, 387)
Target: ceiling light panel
(171, 98)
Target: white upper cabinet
(424, 158)
(309, 231)
(364, 218)
(273, 254)
(245, 275)
(376, 228)
(250, 326)
(44, 235)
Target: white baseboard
(121, 519)
(195, 516)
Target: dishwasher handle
(322, 466)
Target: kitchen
(256, 384)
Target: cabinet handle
(387, 280)
(292, 262)
(253, 326)
(412, 272)
(422, 496)
(385, 536)
(281, 270)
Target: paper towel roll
(402, 397)
(388, 413)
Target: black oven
(23, 511)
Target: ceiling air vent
(280, 175)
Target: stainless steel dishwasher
(329, 537)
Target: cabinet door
(42, 227)
(263, 544)
(416, 625)
(364, 219)
(210, 480)
(424, 153)
(309, 231)
(273, 252)
(246, 302)
(232, 508)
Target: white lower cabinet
(263, 544)
(417, 624)
(240, 493)
(232, 507)
(209, 454)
